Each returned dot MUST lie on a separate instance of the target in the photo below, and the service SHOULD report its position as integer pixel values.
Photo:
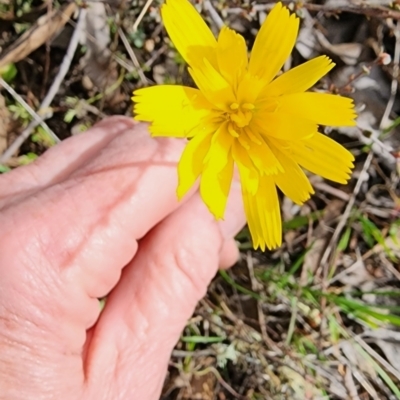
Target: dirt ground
(318, 318)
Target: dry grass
(316, 319)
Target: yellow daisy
(243, 115)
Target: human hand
(98, 215)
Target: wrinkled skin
(97, 215)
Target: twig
(365, 384)
(64, 68)
(395, 75)
(66, 63)
(132, 56)
(324, 187)
(377, 12)
(292, 323)
(156, 54)
(221, 382)
(364, 70)
(26, 106)
(213, 14)
(345, 217)
(47, 58)
(350, 385)
(141, 15)
(369, 11)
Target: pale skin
(98, 215)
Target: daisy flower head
(242, 114)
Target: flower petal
(274, 43)
(231, 55)
(263, 214)
(216, 177)
(280, 126)
(300, 78)
(262, 156)
(293, 182)
(191, 163)
(247, 169)
(189, 32)
(173, 110)
(322, 108)
(323, 156)
(221, 143)
(215, 186)
(249, 89)
(213, 85)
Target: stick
(64, 68)
(26, 106)
(393, 88)
(141, 15)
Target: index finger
(78, 234)
(57, 163)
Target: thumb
(157, 294)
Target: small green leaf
(202, 339)
(69, 116)
(42, 137)
(27, 158)
(344, 240)
(4, 169)
(8, 72)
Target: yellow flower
(243, 115)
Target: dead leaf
(306, 43)
(354, 275)
(348, 52)
(391, 351)
(389, 342)
(97, 62)
(45, 28)
(356, 358)
(302, 389)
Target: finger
(56, 164)
(77, 235)
(230, 226)
(229, 254)
(157, 293)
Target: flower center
(240, 116)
